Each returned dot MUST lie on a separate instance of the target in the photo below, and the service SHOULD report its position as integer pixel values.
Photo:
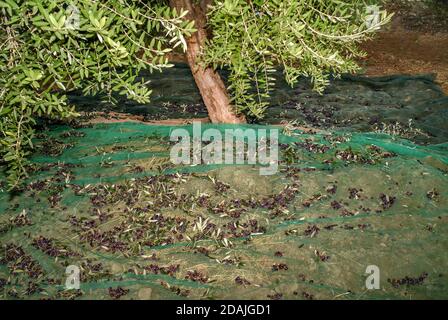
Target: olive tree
(49, 47)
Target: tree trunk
(212, 88)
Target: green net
(106, 198)
(412, 106)
(354, 193)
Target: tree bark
(211, 86)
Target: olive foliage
(312, 38)
(48, 47)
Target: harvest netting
(413, 105)
(106, 198)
